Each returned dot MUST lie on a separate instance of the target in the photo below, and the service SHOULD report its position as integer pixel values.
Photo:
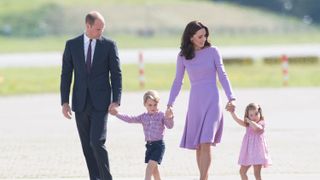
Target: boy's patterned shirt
(153, 124)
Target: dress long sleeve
(178, 81)
(223, 77)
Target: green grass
(28, 80)
(166, 18)
(31, 4)
(11, 45)
(159, 76)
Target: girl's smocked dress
(254, 150)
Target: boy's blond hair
(151, 94)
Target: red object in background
(141, 70)
(285, 67)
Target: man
(94, 61)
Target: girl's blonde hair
(253, 106)
(151, 94)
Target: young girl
(254, 151)
(154, 123)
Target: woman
(204, 121)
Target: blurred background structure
(33, 34)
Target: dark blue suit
(91, 96)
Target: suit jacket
(103, 81)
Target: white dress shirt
(86, 46)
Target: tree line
(307, 10)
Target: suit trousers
(92, 129)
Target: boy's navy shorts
(155, 151)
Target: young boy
(154, 123)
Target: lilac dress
(204, 121)
(254, 150)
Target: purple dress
(204, 121)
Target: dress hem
(195, 147)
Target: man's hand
(113, 108)
(66, 110)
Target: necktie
(88, 62)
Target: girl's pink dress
(254, 150)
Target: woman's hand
(231, 106)
(169, 112)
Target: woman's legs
(198, 158)
(257, 171)
(243, 172)
(204, 160)
(152, 165)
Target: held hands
(113, 109)
(247, 120)
(230, 106)
(66, 111)
(169, 113)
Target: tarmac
(37, 143)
